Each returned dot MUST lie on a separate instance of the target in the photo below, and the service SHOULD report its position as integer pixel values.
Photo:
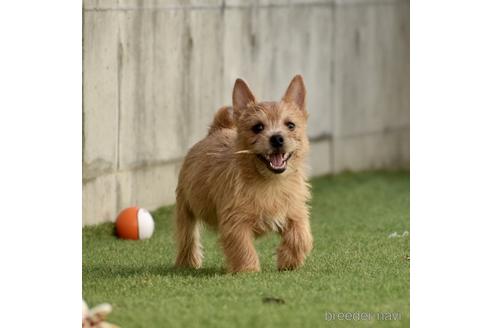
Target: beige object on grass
(95, 317)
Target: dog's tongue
(276, 159)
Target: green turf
(354, 267)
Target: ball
(134, 223)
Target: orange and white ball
(134, 223)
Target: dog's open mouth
(276, 162)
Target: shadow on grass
(113, 271)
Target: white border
(40, 170)
(40, 165)
(451, 148)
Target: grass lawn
(354, 267)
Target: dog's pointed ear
(242, 95)
(296, 92)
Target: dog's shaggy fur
(247, 178)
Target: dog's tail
(222, 120)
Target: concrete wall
(156, 71)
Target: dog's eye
(291, 126)
(257, 128)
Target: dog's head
(273, 132)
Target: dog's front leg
(297, 240)
(236, 237)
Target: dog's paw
(244, 269)
(289, 266)
(191, 262)
(287, 260)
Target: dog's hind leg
(189, 253)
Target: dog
(247, 177)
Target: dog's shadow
(120, 270)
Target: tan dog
(246, 178)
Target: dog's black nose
(276, 141)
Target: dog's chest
(270, 223)
(271, 211)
